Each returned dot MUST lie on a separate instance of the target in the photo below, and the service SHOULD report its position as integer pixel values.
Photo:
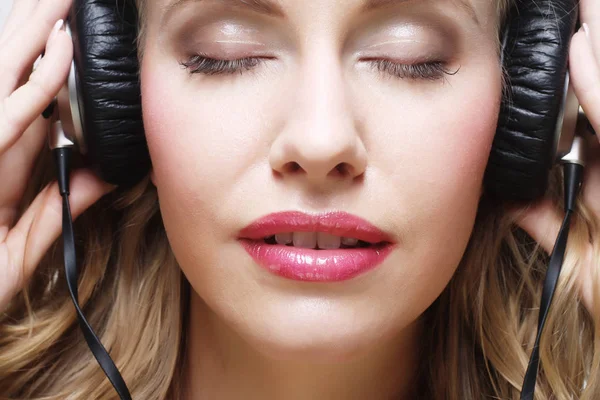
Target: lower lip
(316, 265)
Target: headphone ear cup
(535, 61)
(105, 54)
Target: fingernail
(38, 61)
(586, 29)
(57, 26)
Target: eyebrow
(273, 7)
(465, 5)
(267, 7)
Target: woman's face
(315, 126)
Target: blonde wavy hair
(480, 330)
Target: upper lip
(336, 223)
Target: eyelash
(210, 66)
(431, 71)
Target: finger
(19, 110)
(585, 76)
(21, 49)
(17, 163)
(20, 11)
(590, 191)
(41, 224)
(541, 221)
(589, 11)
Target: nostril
(342, 168)
(293, 166)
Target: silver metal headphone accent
(567, 122)
(57, 137)
(70, 106)
(576, 154)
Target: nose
(320, 142)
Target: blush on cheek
(459, 161)
(456, 166)
(473, 132)
(160, 111)
(476, 138)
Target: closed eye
(211, 66)
(432, 70)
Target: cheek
(433, 164)
(187, 133)
(441, 141)
(201, 143)
(440, 146)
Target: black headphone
(100, 105)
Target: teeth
(305, 239)
(283, 238)
(313, 240)
(327, 241)
(349, 241)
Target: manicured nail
(55, 29)
(586, 29)
(37, 62)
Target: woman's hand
(23, 97)
(542, 221)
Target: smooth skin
(23, 133)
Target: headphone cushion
(105, 53)
(536, 52)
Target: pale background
(5, 6)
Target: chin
(311, 331)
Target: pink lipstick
(363, 248)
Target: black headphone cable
(573, 166)
(61, 147)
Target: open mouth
(327, 247)
(319, 241)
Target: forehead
(474, 9)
